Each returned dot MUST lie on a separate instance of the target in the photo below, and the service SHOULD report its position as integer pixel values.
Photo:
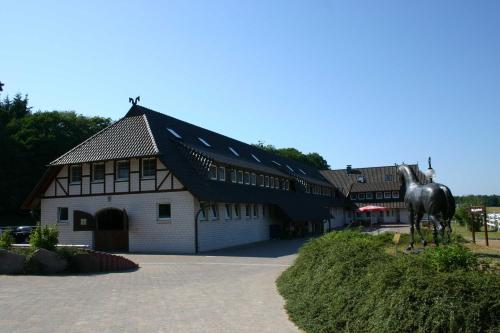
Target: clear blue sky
(361, 82)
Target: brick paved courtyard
(222, 291)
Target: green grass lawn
(493, 209)
(464, 232)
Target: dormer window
(75, 174)
(174, 133)
(256, 158)
(204, 142)
(389, 178)
(290, 168)
(361, 179)
(234, 151)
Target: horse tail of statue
(450, 202)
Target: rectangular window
(62, 215)
(214, 212)
(369, 196)
(98, 172)
(387, 195)
(361, 196)
(255, 211)
(379, 195)
(267, 181)
(222, 174)
(148, 168)
(261, 180)
(122, 170)
(271, 182)
(240, 177)
(395, 194)
(354, 196)
(247, 178)
(389, 178)
(237, 211)
(248, 210)
(276, 183)
(229, 211)
(203, 214)
(253, 179)
(76, 174)
(212, 171)
(287, 183)
(164, 212)
(233, 175)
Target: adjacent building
(153, 183)
(377, 186)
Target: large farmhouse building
(373, 186)
(153, 183)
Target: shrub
(346, 282)
(44, 238)
(6, 240)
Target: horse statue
(433, 199)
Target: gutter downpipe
(202, 207)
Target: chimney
(348, 169)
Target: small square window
(388, 178)
(222, 174)
(229, 211)
(379, 195)
(253, 179)
(164, 211)
(361, 196)
(98, 172)
(75, 174)
(247, 178)
(212, 171)
(62, 215)
(387, 195)
(354, 196)
(395, 194)
(148, 168)
(122, 170)
(240, 177)
(369, 196)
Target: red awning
(372, 209)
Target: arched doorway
(111, 233)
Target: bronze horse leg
(412, 230)
(437, 227)
(422, 238)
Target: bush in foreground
(44, 238)
(347, 282)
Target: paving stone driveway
(223, 291)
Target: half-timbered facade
(154, 183)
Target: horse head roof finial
(134, 100)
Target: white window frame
(93, 172)
(361, 196)
(395, 194)
(233, 175)
(163, 219)
(369, 196)
(246, 178)
(379, 195)
(240, 180)
(59, 220)
(75, 167)
(387, 195)
(253, 179)
(142, 168)
(388, 178)
(214, 212)
(237, 211)
(117, 168)
(271, 182)
(261, 177)
(222, 174)
(211, 168)
(266, 181)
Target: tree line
(478, 200)
(312, 159)
(29, 141)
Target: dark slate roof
(128, 137)
(143, 132)
(374, 176)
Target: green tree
(28, 142)
(313, 159)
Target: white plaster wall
(146, 233)
(337, 220)
(221, 233)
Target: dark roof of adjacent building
(372, 179)
(178, 144)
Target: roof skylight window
(204, 142)
(303, 172)
(234, 151)
(174, 133)
(255, 158)
(276, 163)
(290, 168)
